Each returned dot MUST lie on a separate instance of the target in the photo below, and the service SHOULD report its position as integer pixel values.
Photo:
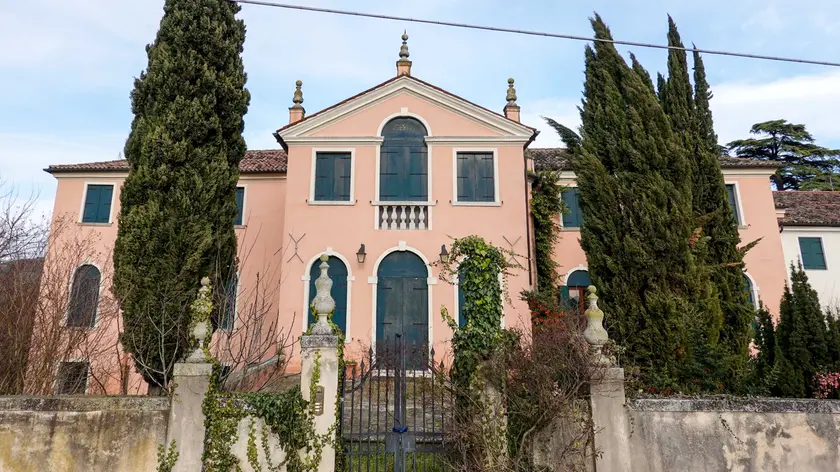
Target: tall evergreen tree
(691, 118)
(803, 349)
(178, 201)
(638, 231)
(792, 146)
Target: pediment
(481, 120)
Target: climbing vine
(167, 457)
(287, 416)
(482, 268)
(546, 205)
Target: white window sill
(80, 223)
(240, 226)
(406, 203)
(477, 204)
(330, 203)
(570, 229)
(740, 226)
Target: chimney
(296, 111)
(511, 109)
(404, 65)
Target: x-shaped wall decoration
(297, 242)
(512, 258)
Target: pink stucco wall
(764, 263)
(260, 242)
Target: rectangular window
(733, 202)
(72, 378)
(97, 208)
(572, 218)
(240, 206)
(332, 177)
(813, 257)
(476, 177)
(226, 323)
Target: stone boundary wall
(81, 433)
(734, 434)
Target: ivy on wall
(480, 265)
(546, 206)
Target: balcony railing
(403, 215)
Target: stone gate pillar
(611, 427)
(319, 368)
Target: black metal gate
(393, 414)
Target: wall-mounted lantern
(444, 254)
(361, 254)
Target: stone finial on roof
(404, 65)
(511, 109)
(297, 112)
(511, 93)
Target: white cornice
(476, 140)
(406, 84)
(335, 140)
(792, 228)
(749, 172)
(92, 175)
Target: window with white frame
(332, 177)
(476, 176)
(84, 297)
(72, 378)
(97, 204)
(732, 196)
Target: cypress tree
(178, 201)
(803, 349)
(638, 231)
(762, 378)
(691, 118)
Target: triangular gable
(391, 87)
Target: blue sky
(67, 66)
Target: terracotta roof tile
(254, 162)
(558, 159)
(814, 208)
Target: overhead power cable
(530, 33)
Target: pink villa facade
(381, 183)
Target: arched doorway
(402, 306)
(403, 161)
(573, 295)
(338, 274)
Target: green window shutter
(418, 174)
(466, 177)
(749, 288)
(97, 208)
(486, 191)
(573, 218)
(563, 295)
(813, 257)
(324, 178)
(240, 206)
(733, 202)
(229, 314)
(342, 176)
(475, 177)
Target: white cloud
(812, 100)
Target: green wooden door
(402, 308)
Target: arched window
(84, 297)
(229, 315)
(403, 161)
(573, 294)
(750, 291)
(338, 274)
